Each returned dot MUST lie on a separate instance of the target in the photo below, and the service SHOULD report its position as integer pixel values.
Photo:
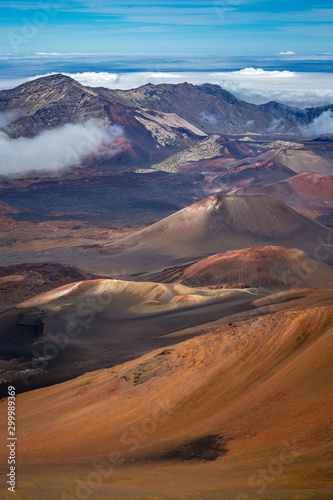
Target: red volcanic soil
(133, 129)
(6, 209)
(273, 268)
(124, 155)
(199, 419)
(307, 188)
(313, 187)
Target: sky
(160, 27)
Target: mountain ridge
(208, 107)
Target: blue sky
(212, 28)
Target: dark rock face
(208, 107)
(49, 102)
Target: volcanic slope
(301, 189)
(195, 420)
(252, 175)
(217, 224)
(296, 160)
(273, 268)
(304, 161)
(93, 324)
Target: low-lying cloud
(321, 125)
(249, 124)
(57, 148)
(7, 118)
(276, 125)
(211, 119)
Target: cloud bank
(259, 72)
(321, 125)
(55, 149)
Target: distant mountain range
(201, 109)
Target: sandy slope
(210, 413)
(246, 176)
(93, 324)
(127, 300)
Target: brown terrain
(244, 409)
(167, 305)
(211, 108)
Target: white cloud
(8, 117)
(113, 80)
(91, 79)
(323, 124)
(209, 118)
(54, 149)
(266, 74)
(287, 53)
(57, 54)
(276, 125)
